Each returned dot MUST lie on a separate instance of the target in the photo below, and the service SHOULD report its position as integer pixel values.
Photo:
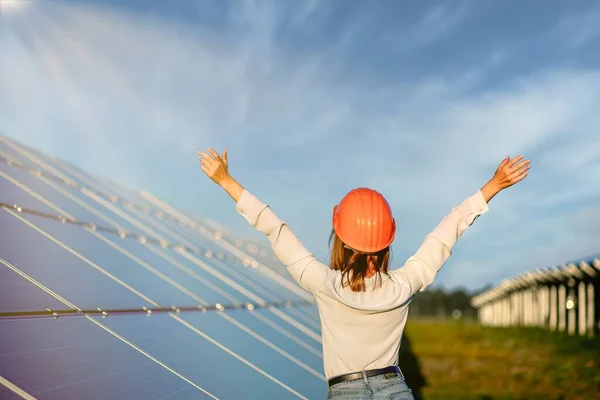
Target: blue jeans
(377, 387)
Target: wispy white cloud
(437, 21)
(119, 78)
(132, 97)
(580, 29)
(498, 56)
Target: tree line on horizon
(445, 303)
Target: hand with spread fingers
(509, 172)
(216, 167)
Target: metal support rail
(48, 313)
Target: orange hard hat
(363, 221)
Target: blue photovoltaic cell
(197, 237)
(259, 353)
(18, 156)
(314, 326)
(251, 278)
(261, 283)
(174, 231)
(18, 196)
(303, 318)
(59, 165)
(6, 149)
(72, 358)
(295, 331)
(12, 195)
(203, 362)
(18, 294)
(196, 240)
(73, 173)
(58, 269)
(113, 261)
(27, 179)
(59, 199)
(229, 270)
(193, 279)
(309, 311)
(245, 275)
(281, 339)
(7, 394)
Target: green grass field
(450, 360)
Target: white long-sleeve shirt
(362, 330)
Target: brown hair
(354, 265)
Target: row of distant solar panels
(584, 270)
(248, 342)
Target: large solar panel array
(106, 293)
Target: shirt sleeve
(421, 269)
(301, 264)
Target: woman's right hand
(215, 166)
(508, 173)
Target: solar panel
(104, 193)
(30, 249)
(61, 196)
(17, 294)
(114, 295)
(6, 393)
(302, 349)
(203, 358)
(153, 221)
(255, 347)
(71, 358)
(12, 194)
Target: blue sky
(419, 100)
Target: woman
(363, 306)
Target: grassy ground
(449, 360)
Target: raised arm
(421, 269)
(302, 264)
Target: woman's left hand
(215, 166)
